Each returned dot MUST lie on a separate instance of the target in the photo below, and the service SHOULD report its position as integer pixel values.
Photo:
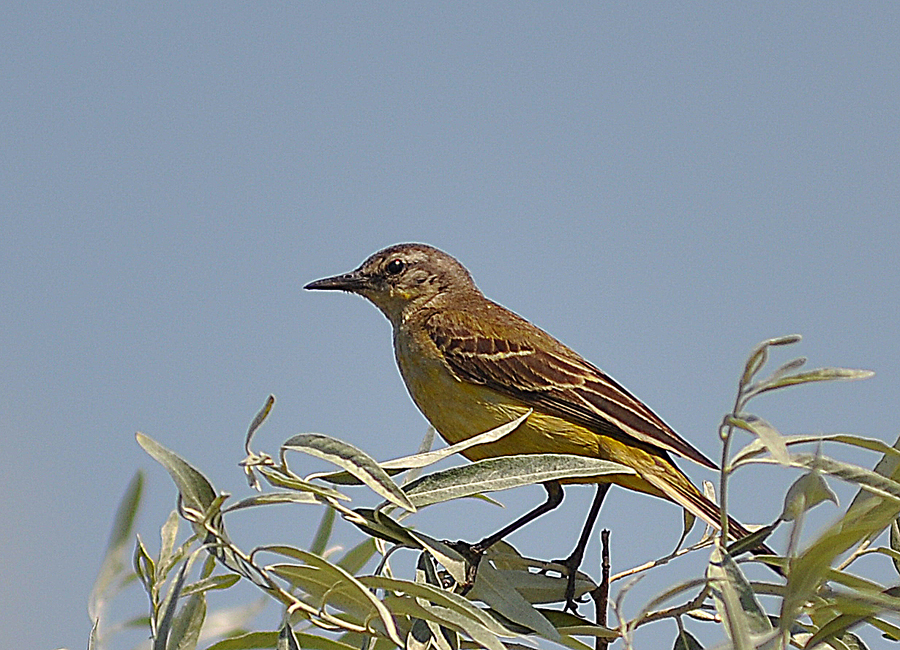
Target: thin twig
(661, 561)
(673, 612)
(862, 549)
(600, 594)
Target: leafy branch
(334, 604)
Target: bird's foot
(570, 571)
(472, 553)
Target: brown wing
(512, 356)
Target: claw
(472, 554)
(570, 571)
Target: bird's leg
(474, 552)
(554, 498)
(574, 560)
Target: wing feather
(513, 357)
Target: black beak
(353, 281)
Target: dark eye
(395, 266)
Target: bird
(471, 365)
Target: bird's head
(402, 279)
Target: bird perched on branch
(471, 365)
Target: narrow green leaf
(568, 624)
(785, 368)
(95, 629)
(426, 570)
(126, 513)
(855, 608)
(286, 638)
(888, 467)
(806, 492)
(819, 374)
(753, 540)
(688, 520)
(196, 491)
(759, 355)
(735, 600)
(258, 419)
(208, 567)
(425, 458)
(212, 583)
(352, 459)
(874, 483)
(347, 581)
(447, 617)
(255, 641)
(345, 478)
(431, 457)
(356, 558)
(140, 622)
(504, 473)
(143, 564)
(169, 604)
(890, 631)
(323, 532)
(542, 588)
(174, 557)
(787, 339)
(867, 515)
(801, 639)
(492, 588)
(327, 591)
(273, 498)
(424, 447)
(451, 560)
(755, 362)
(505, 556)
(870, 482)
(420, 636)
(756, 447)
(185, 630)
(444, 638)
(278, 478)
(865, 587)
(317, 642)
(686, 641)
(380, 525)
(168, 535)
(768, 435)
(113, 567)
(895, 544)
(437, 596)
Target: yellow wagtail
(471, 365)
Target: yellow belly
(460, 410)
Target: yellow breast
(460, 410)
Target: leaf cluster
(336, 603)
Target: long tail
(684, 493)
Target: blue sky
(659, 186)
